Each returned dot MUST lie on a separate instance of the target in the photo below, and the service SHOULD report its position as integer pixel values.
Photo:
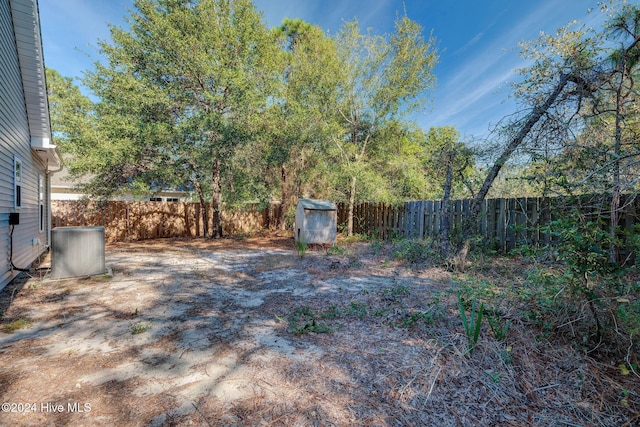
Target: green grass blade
(463, 315)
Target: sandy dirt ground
(247, 332)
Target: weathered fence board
(503, 224)
(149, 220)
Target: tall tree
(193, 74)
(450, 160)
(400, 165)
(386, 77)
(72, 113)
(298, 122)
(572, 85)
(73, 122)
(603, 157)
(623, 105)
(551, 94)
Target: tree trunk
(216, 200)
(283, 197)
(352, 202)
(445, 225)
(614, 251)
(536, 114)
(203, 209)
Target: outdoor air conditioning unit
(77, 251)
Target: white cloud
(471, 97)
(470, 43)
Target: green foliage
(293, 130)
(498, 326)
(336, 250)
(301, 248)
(377, 246)
(357, 309)
(332, 312)
(471, 324)
(358, 237)
(411, 319)
(588, 297)
(179, 92)
(20, 323)
(414, 251)
(506, 355)
(139, 327)
(628, 313)
(590, 142)
(482, 290)
(400, 155)
(72, 114)
(397, 291)
(443, 146)
(584, 248)
(385, 78)
(305, 321)
(201, 94)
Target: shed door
(319, 226)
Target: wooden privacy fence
(149, 220)
(503, 223)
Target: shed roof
(317, 205)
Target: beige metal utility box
(316, 221)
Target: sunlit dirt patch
(248, 332)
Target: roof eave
(26, 24)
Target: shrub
(414, 251)
(587, 296)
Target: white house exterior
(27, 156)
(63, 187)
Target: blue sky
(477, 40)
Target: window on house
(155, 199)
(17, 182)
(41, 201)
(172, 199)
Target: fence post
(533, 228)
(545, 211)
(498, 223)
(405, 220)
(409, 220)
(437, 219)
(510, 224)
(421, 209)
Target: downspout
(49, 174)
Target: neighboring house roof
(26, 26)
(62, 179)
(317, 205)
(66, 187)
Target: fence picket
(504, 223)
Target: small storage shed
(316, 221)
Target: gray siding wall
(15, 141)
